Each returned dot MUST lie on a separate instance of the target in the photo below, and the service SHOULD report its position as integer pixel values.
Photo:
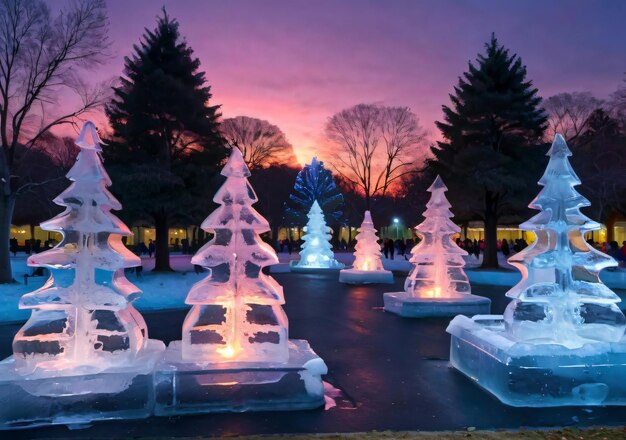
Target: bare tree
(373, 146)
(261, 143)
(568, 114)
(61, 150)
(39, 58)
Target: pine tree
(236, 311)
(367, 250)
(438, 261)
(561, 298)
(314, 183)
(490, 130)
(165, 134)
(82, 315)
(317, 251)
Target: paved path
(394, 372)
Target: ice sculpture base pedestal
(537, 375)
(78, 397)
(190, 388)
(354, 276)
(403, 304)
(293, 267)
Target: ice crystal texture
(438, 261)
(367, 250)
(236, 312)
(317, 251)
(560, 298)
(82, 318)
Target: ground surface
(559, 434)
(393, 371)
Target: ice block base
(354, 276)
(77, 398)
(408, 306)
(537, 375)
(190, 388)
(293, 267)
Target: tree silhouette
(487, 156)
(165, 134)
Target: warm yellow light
(435, 292)
(227, 352)
(367, 264)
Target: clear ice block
(404, 304)
(78, 396)
(534, 374)
(355, 276)
(184, 387)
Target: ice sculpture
(561, 339)
(368, 267)
(437, 284)
(317, 252)
(84, 354)
(234, 354)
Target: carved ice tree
(560, 298)
(438, 261)
(236, 312)
(367, 250)
(83, 316)
(317, 251)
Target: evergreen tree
(487, 156)
(236, 311)
(165, 134)
(314, 183)
(83, 315)
(560, 298)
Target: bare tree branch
(373, 146)
(568, 114)
(261, 143)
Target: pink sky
(296, 62)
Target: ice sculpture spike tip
(236, 165)
(89, 131)
(437, 185)
(315, 208)
(559, 147)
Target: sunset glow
(296, 63)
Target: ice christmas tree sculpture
(437, 259)
(561, 298)
(234, 354)
(317, 251)
(437, 285)
(236, 311)
(368, 266)
(367, 250)
(82, 316)
(560, 341)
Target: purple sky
(296, 62)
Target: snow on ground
(160, 291)
(169, 290)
